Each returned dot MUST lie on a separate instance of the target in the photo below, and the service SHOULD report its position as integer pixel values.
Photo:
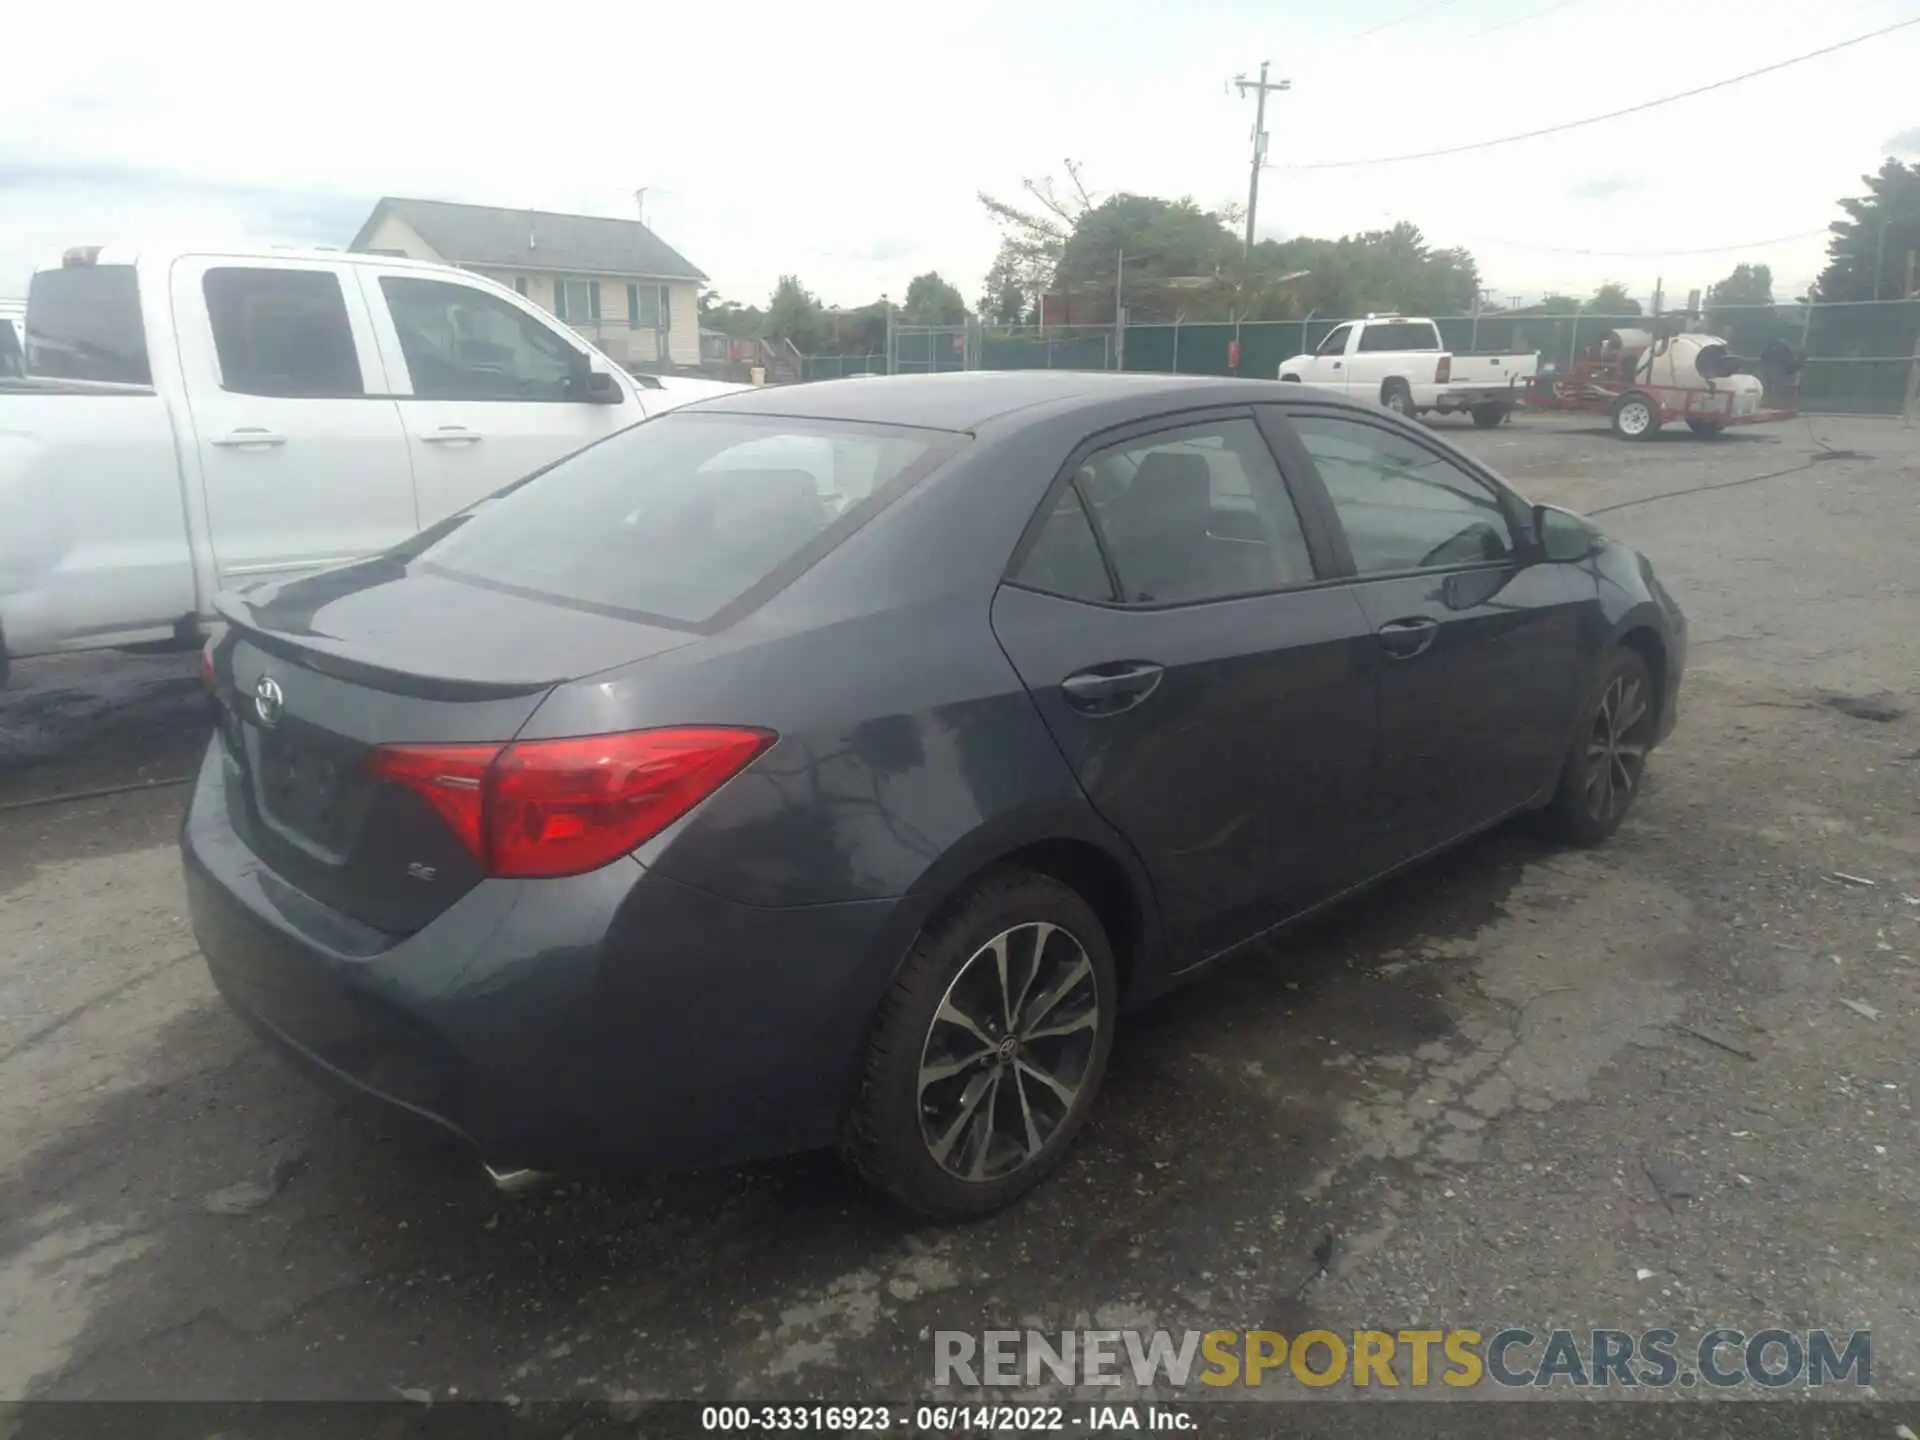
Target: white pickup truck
(1399, 361)
(191, 422)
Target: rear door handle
(1404, 639)
(1111, 688)
(249, 435)
(449, 435)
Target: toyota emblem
(268, 700)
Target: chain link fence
(1857, 358)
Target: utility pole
(1261, 88)
(1120, 310)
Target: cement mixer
(1645, 379)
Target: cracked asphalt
(1666, 1083)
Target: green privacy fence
(1857, 358)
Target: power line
(1410, 15)
(1648, 254)
(1522, 19)
(1611, 114)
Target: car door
(1214, 697)
(488, 388)
(1484, 644)
(302, 461)
(1328, 366)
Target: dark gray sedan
(830, 765)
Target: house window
(576, 301)
(647, 307)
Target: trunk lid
(315, 674)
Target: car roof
(971, 399)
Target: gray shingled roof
(535, 239)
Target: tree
(932, 301)
(1377, 270)
(1554, 304)
(1032, 237)
(1612, 299)
(1867, 256)
(730, 317)
(795, 315)
(1747, 285)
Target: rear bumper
(618, 1018)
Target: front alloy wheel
(1617, 748)
(1008, 1052)
(1609, 760)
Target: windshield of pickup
(83, 323)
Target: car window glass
(843, 468)
(464, 344)
(680, 517)
(1195, 514)
(1336, 343)
(1402, 505)
(84, 323)
(1065, 558)
(282, 332)
(1377, 338)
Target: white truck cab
(191, 421)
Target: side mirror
(601, 388)
(1563, 535)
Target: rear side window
(1194, 514)
(1378, 337)
(687, 516)
(282, 332)
(83, 323)
(1065, 558)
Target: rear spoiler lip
(326, 657)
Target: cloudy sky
(844, 140)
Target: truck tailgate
(93, 532)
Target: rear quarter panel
(93, 533)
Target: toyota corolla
(830, 765)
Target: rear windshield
(686, 516)
(1398, 336)
(83, 323)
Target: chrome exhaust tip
(517, 1181)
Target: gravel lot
(1472, 1080)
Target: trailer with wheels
(1646, 380)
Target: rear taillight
(544, 808)
(208, 682)
(1443, 372)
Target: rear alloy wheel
(988, 1050)
(1397, 397)
(1609, 758)
(1489, 416)
(1707, 429)
(1635, 417)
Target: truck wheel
(1635, 416)
(1707, 429)
(1395, 395)
(1488, 416)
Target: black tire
(1396, 396)
(1578, 813)
(895, 1120)
(1488, 417)
(1707, 429)
(1636, 416)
